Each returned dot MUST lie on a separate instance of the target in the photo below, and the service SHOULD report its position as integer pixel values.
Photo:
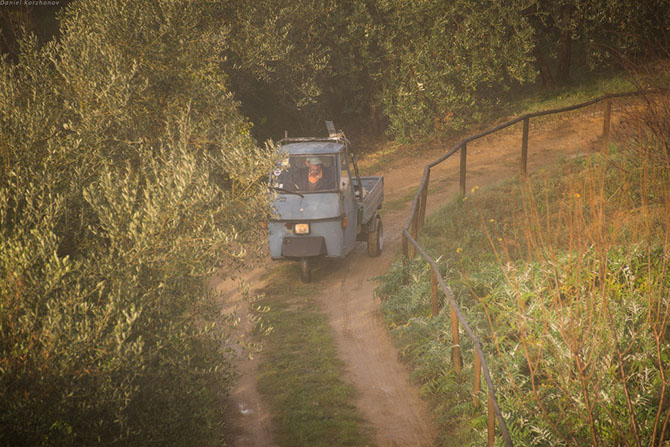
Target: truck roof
(311, 146)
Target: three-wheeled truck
(322, 205)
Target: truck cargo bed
(373, 196)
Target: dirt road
(386, 397)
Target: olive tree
(128, 177)
(448, 61)
(594, 33)
(294, 64)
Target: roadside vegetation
(127, 177)
(565, 278)
(300, 374)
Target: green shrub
(128, 178)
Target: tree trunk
(545, 73)
(564, 55)
(565, 45)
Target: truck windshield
(305, 173)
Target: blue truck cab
(322, 205)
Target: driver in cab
(319, 178)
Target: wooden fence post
(433, 292)
(606, 125)
(405, 246)
(478, 380)
(456, 350)
(412, 230)
(424, 199)
(524, 148)
(492, 422)
(464, 156)
(419, 204)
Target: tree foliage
(423, 66)
(594, 33)
(296, 63)
(410, 68)
(449, 61)
(128, 175)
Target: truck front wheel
(305, 270)
(376, 238)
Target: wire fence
(410, 246)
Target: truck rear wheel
(305, 270)
(376, 238)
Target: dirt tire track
(247, 415)
(385, 396)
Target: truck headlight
(301, 228)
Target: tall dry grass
(583, 329)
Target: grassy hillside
(565, 279)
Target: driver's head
(315, 165)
